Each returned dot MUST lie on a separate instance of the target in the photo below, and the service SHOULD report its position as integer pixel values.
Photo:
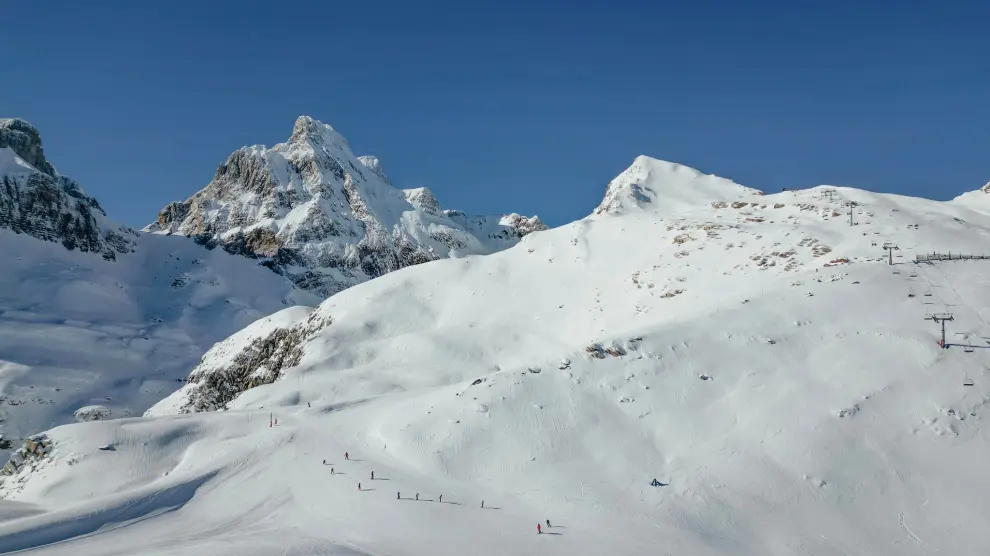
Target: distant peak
(306, 129)
(25, 140)
(655, 184)
(372, 163)
(986, 188)
(423, 199)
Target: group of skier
(398, 495)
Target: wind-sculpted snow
(327, 219)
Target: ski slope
(77, 330)
(762, 361)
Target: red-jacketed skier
(347, 456)
(538, 530)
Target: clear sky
(525, 106)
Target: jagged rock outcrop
(325, 218)
(37, 201)
(35, 448)
(255, 356)
(24, 139)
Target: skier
(331, 470)
(548, 524)
(398, 496)
(372, 475)
(538, 530)
(324, 462)
(417, 496)
(482, 503)
(359, 486)
(441, 499)
(347, 456)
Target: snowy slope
(755, 354)
(96, 314)
(77, 330)
(327, 219)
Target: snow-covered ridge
(754, 354)
(325, 218)
(667, 188)
(38, 201)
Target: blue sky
(529, 107)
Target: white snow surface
(12, 165)
(762, 361)
(78, 330)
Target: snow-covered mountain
(328, 219)
(755, 354)
(36, 200)
(96, 314)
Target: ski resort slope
(785, 406)
(77, 330)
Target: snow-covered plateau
(754, 353)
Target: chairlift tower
(852, 207)
(940, 318)
(890, 248)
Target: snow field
(788, 407)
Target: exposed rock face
(36, 200)
(219, 379)
(325, 218)
(25, 141)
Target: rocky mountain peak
(311, 210)
(986, 188)
(307, 130)
(372, 163)
(37, 201)
(25, 140)
(423, 199)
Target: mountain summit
(667, 187)
(37, 201)
(327, 219)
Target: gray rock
(51, 207)
(24, 139)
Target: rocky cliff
(326, 219)
(37, 201)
